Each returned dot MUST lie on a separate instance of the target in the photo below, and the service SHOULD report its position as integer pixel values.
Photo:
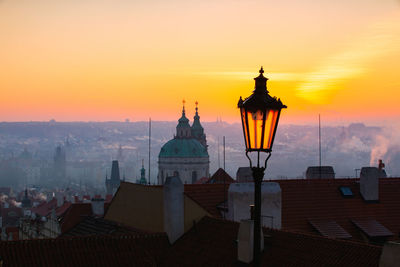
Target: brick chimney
(369, 183)
(173, 208)
(98, 207)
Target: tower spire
(196, 129)
(183, 127)
(142, 174)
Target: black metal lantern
(260, 116)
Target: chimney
(173, 208)
(246, 241)
(369, 183)
(381, 167)
(60, 199)
(241, 196)
(390, 256)
(98, 207)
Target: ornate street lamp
(260, 116)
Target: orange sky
(116, 59)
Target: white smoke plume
(386, 147)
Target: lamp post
(260, 116)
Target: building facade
(186, 154)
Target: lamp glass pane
(255, 121)
(244, 126)
(270, 125)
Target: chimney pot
(246, 241)
(98, 207)
(369, 183)
(173, 208)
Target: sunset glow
(112, 60)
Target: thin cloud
(381, 39)
(244, 75)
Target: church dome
(183, 148)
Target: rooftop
(210, 242)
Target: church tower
(113, 183)
(198, 130)
(186, 154)
(59, 165)
(183, 128)
(142, 174)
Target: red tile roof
(286, 248)
(124, 250)
(220, 176)
(98, 226)
(304, 200)
(45, 208)
(61, 210)
(319, 200)
(208, 196)
(202, 180)
(212, 242)
(76, 213)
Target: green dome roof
(183, 148)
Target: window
(346, 191)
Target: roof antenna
(150, 142)
(319, 139)
(219, 161)
(224, 150)
(224, 181)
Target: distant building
(244, 174)
(186, 154)
(220, 177)
(59, 164)
(320, 172)
(142, 179)
(113, 183)
(26, 202)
